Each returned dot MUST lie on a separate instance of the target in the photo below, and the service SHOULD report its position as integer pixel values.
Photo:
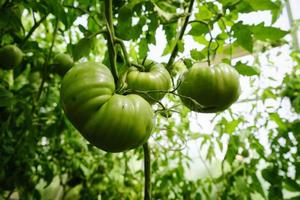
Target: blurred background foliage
(43, 157)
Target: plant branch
(293, 32)
(33, 28)
(181, 33)
(110, 39)
(147, 172)
(47, 61)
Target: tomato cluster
(119, 122)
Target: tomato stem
(180, 36)
(147, 172)
(110, 39)
(45, 66)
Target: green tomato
(209, 89)
(10, 56)
(151, 82)
(62, 63)
(110, 121)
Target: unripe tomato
(209, 89)
(154, 78)
(110, 121)
(10, 56)
(62, 63)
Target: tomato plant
(110, 121)
(251, 151)
(10, 56)
(151, 82)
(209, 89)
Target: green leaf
(291, 185)
(297, 169)
(270, 174)
(246, 70)
(268, 93)
(204, 13)
(198, 29)
(275, 192)
(10, 21)
(170, 31)
(296, 104)
(243, 36)
(265, 33)
(83, 48)
(277, 119)
(232, 148)
(143, 48)
(124, 23)
(55, 7)
(230, 126)
(197, 55)
(165, 10)
(153, 24)
(294, 198)
(262, 5)
(256, 185)
(6, 98)
(188, 62)
(227, 3)
(169, 47)
(180, 46)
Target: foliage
(42, 156)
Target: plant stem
(45, 70)
(175, 50)
(110, 39)
(147, 172)
(291, 20)
(9, 194)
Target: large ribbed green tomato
(110, 121)
(212, 89)
(154, 78)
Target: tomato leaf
(197, 55)
(198, 29)
(246, 70)
(243, 36)
(6, 97)
(264, 33)
(291, 185)
(83, 48)
(143, 48)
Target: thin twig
(47, 61)
(291, 20)
(33, 28)
(175, 50)
(111, 39)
